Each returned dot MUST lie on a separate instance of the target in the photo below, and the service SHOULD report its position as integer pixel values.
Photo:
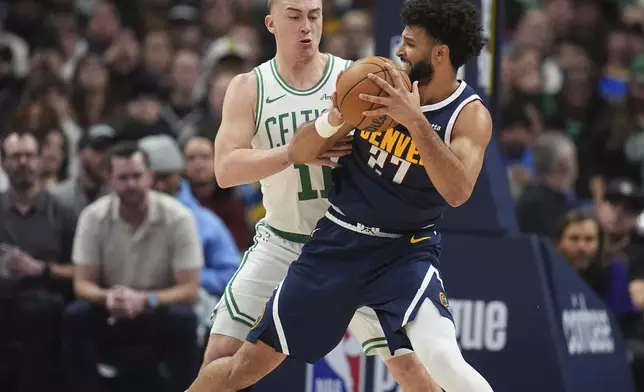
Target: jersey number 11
(308, 193)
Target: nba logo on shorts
(342, 370)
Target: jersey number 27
(378, 159)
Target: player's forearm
(447, 172)
(307, 144)
(246, 166)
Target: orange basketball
(354, 81)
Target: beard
(421, 72)
(22, 179)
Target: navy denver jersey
(383, 182)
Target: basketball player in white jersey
(262, 109)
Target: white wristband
(323, 128)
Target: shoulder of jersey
(344, 62)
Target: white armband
(323, 128)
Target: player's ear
(270, 24)
(441, 53)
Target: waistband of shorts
(293, 237)
(336, 216)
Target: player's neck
(439, 89)
(301, 72)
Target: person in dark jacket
(551, 195)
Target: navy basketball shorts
(341, 269)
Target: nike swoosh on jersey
(415, 240)
(269, 100)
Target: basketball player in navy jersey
(376, 245)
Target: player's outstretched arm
(236, 162)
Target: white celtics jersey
(295, 198)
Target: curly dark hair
(455, 23)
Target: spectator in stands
(53, 158)
(91, 99)
(18, 54)
(79, 191)
(619, 151)
(617, 215)
(35, 116)
(249, 35)
(184, 27)
(579, 237)
(68, 29)
(137, 261)
(208, 125)
(123, 58)
(551, 194)
(226, 54)
(157, 52)
(583, 115)
(525, 82)
(517, 134)
(614, 75)
(10, 84)
(183, 109)
(103, 27)
(217, 18)
(356, 27)
(633, 18)
(142, 114)
(37, 232)
(221, 255)
(199, 154)
(51, 92)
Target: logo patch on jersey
(341, 370)
(270, 100)
(415, 240)
(325, 97)
(444, 301)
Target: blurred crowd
(572, 135)
(106, 103)
(108, 113)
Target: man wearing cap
(221, 256)
(623, 256)
(223, 55)
(184, 22)
(89, 185)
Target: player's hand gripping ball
(355, 81)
